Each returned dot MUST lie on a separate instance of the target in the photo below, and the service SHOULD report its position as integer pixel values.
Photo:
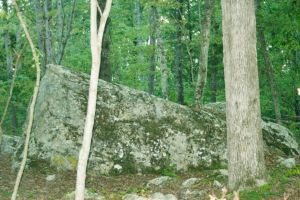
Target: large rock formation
(133, 131)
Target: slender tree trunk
(244, 135)
(105, 68)
(65, 30)
(7, 44)
(32, 105)
(270, 74)
(48, 36)
(14, 119)
(214, 83)
(296, 75)
(137, 18)
(60, 28)
(203, 60)
(39, 24)
(96, 47)
(179, 54)
(153, 27)
(162, 61)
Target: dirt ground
(34, 184)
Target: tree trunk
(39, 15)
(14, 119)
(96, 47)
(244, 135)
(48, 36)
(203, 60)
(105, 68)
(32, 104)
(214, 83)
(270, 74)
(153, 27)
(178, 54)
(162, 64)
(63, 30)
(296, 74)
(7, 44)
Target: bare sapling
(32, 105)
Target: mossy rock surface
(132, 129)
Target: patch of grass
(169, 171)
(278, 180)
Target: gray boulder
(9, 144)
(133, 130)
(274, 134)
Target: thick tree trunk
(270, 74)
(203, 60)
(96, 48)
(244, 133)
(179, 54)
(153, 27)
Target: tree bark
(270, 74)
(153, 27)
(65, 31)
(162, 61)
(32, 105)
(105, 68)
(203, 60)
(96, 48)
(214, 83)
(178, 54)
(48, 36)
(244, 135)
(7, 44)
(39, 15)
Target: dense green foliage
(130, 61)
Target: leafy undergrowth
(34, 185)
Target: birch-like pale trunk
(32, 105)
(245, 152)
(203, 60)
(96, 45)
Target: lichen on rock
(133, 130)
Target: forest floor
(34, 185)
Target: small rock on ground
(288, 163)
(154, 196)
(190, 182)
(51, 177)
(160, 181)
(88, 195)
